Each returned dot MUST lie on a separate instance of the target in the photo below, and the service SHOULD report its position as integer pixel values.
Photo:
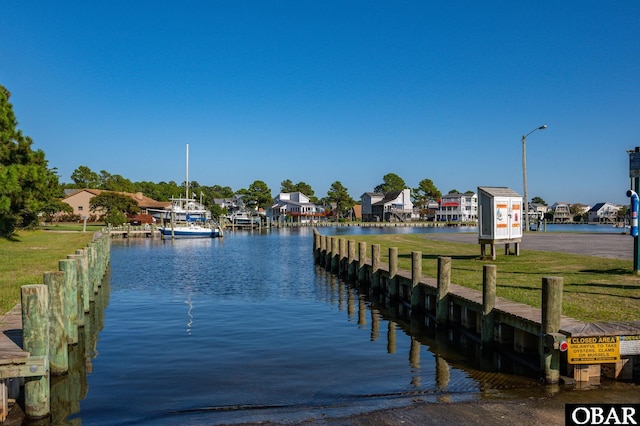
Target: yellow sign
(593, 349)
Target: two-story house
(603, 213)
(388, 207)
(296, 207)
(561, 213)
(456, 207)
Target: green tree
(257, 194)
(303, 187)
(26, 183)
(55, 206)
(425, 192)
(339, 195)
(538, 200)
(84, 177)
(115, 207)
(111, 182)
(287, 186)
(390, 182)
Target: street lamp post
(524, 175)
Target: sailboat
(188, 218)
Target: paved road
(617, 246)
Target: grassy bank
(595, 289)
(24, 259)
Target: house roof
(139, 197)
(499, 191)
(388, 197)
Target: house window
(80, 208)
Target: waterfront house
(367, 200)
(603, 213)
(394, 206)
(561, 213)
(80, 200)
(296, 207)
(457, 207)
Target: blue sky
(331, 91)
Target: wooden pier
(38, 333)
(563, 348)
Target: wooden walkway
(12, 358)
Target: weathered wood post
(84, 272)
(58, 353)
(335, 252)
(417, 296)
(316, 245)
(488, 303)
(68, 267)
(444, 279)
(322, 260)
(342, 257)
(35, 340)
(351, 266)
(551, 314)
(362, 261)
(79, 289)
(375, 266)
(393, 272)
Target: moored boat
(186, 217)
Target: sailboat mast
(187, 181)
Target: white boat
(244, 219)
(186, 217)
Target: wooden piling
(444, 279)
(79, 289)
(35, 340)
(362, 261)
(375, 266)
(68, 267)
(417, 296)
(488, 303)
(84, 272)
(58, 354)
(342, 257)
(551, 314)
(393, 272)
(351, 261)
(335, 250)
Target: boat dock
(560, 348)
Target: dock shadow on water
(248, 329)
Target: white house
(296, 207)
(456, 207)
(603, 213)
(389, 207)
(367, 200)
(561, 213)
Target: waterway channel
(247, 329)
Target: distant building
(456, 207)
(394, 206)
(295, 207)
(603, 213)
(80, 199)
(561, 213)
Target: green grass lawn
(25, 258)
(595, 289)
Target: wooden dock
(580, 350)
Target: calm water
(246, 328)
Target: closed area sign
(593, 350)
